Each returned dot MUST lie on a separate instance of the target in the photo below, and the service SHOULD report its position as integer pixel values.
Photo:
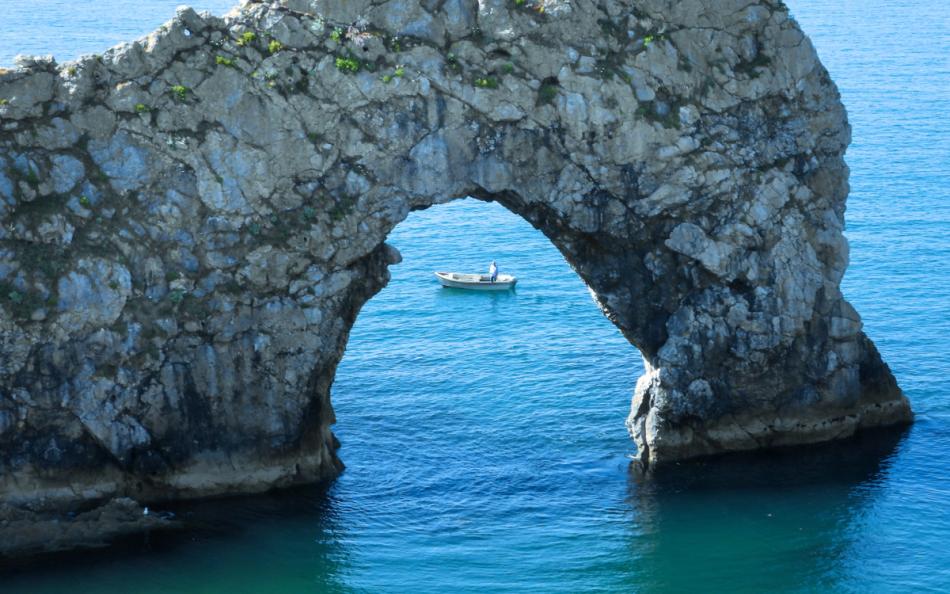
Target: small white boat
(478, 282)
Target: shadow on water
(216, 537)
(497, 299)
(454, 293)
(780, 520)
(861, 458)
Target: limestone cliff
(190, 223)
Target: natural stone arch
(191, 223)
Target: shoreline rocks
(29, 533)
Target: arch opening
(527, 378)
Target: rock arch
(191, 222)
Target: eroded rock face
(191, 222)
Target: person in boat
(493, 271)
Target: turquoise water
(483, 434)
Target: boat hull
(476, 282)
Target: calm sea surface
(483, 434)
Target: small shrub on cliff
(222, 61)
(4, 101)
(336, 35)
(347, 65)
(652, 38)
(246, 38)
(84, 201)
(180, 92)
(20, 305)
(141, 108)
(752, 67)
(486, 82)
(452, 62)
(547, 94)
(31, 177)
(274, 46)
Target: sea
(483, 434)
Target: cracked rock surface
(190, 223)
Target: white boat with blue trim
(476, 282)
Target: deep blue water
(483, 434)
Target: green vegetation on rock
(486, 82)
(19, 303)
(180, 92)
(31, 177)
(348, 65)
(547, 93)
(752, 67)
(247, 38)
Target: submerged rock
(190, 223)
(30, 532)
